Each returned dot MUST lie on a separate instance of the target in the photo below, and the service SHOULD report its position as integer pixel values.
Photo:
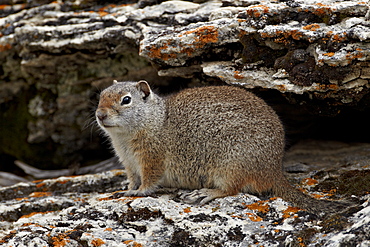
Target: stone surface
(78, 211)
(333, 37)
(57, 55)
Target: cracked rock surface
(78, 211)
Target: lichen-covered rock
(78, 211)
(57, 55)
(55, 59)
(332, 38)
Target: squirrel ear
(144, 87)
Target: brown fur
(218, 141)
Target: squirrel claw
(195, 197)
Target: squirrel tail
(284, 190)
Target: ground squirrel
(217, 140)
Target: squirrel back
(218, 140)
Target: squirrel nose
(101, 115)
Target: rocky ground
(78, 211)
(57, 55)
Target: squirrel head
(126, 107)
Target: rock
(57, 55)
(7, 179)
(78, 211)
(324, 42)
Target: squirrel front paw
(138, 192)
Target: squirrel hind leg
(202, 196)
(223, 187)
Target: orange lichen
(300, 240)
(187, 50)
(283, 37)
(254, 218)
(333, 191)
(265, 35)
(327, 87)
(124, 5)
(32, 224)
(309, 181)
(109, 229)
(156, 52)
(281, 87)
(37, 181)
(257, 10)
(21, 199)
(318, 196)
(187, 210)
(290, 211)
(97, 242)
(322, 11)
(204, 35)
(302, 190)
(312, 27)
(63, 181)
(329, 34)
(40, 185)
(329, 54)
(60, 240)
(4, 6)
(260, 206)
(327, 193)
(339, 38)
(295, 34)
(102, 13)
(40, 194)
(237, 75)
(5, 47)
(34, 213)
(238, 216)
(352, 56)
(132, 243)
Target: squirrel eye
(126, 100)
